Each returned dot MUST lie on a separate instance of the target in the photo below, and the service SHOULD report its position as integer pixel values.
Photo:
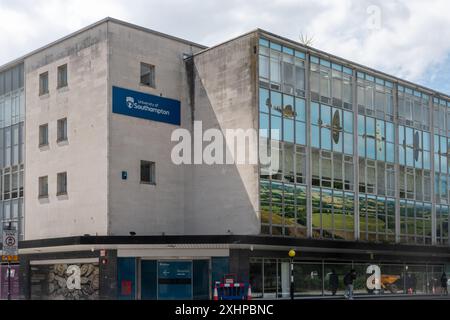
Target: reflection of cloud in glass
(416, 145)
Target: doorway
(174, 279)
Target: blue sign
(145, 106)
(175, 280)
(175, 270)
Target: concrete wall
(145, 209)
(84, 157)
(222, 199)
(186, 199)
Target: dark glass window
(43, 135)
(148, 172)
(148, 75)
(43, 83)
(61, 183)
(264, 100)
(43, 187)
(62, 130)
(62, 76)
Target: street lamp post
(9, 269)
(292, 256)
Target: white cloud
(412, 41)
(29, 24)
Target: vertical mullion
(309, 231)
(432, 172)
(397, 165)
(356, 212)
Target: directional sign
(10, 243)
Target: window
(275, 68)
(283, 208)
(62, 76)
(331, 83)
(415, 222)
(413, 108)
(43, 187)
(43, 135)
(331, 128)
(264, 67)
(43, 83)
(148, 75)
(282, 68)
(375, 96)
(442, 214)
(62, 130)
(61, 183)
(374, 138)
(377, 218)
(332, 214)
(148, 172)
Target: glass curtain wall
(12, 115)
(270, 278)
(283, 108)
(376, 156)
(331, 127)
(321, 125)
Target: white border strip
(68, 261)
(172, 253)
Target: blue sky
(406, 38)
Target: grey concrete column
(240, 264)
(108, 276)
(24, 278)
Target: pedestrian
(348, 282)
(409, 283)
(414, 283)
(434, 282)
(444, 284)
(334, 282)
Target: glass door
(175, 280)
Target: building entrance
(175, 280)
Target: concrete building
(104, 213)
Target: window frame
(61, 180)
(151, 73)
(43, 90)
(60, 83)
(41, 142)
(41, 181)
(61, 137)
(151, 173)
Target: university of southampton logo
(130, 102)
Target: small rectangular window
(148, 172)
(43, 83)
(43, 187)
(62, 76)
(43, 135)
(148, 75)
(62, 130)
(61, 182)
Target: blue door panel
(175, 280)
(149, 280)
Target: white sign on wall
(10, 243)
(374, 279)
(74, 279)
